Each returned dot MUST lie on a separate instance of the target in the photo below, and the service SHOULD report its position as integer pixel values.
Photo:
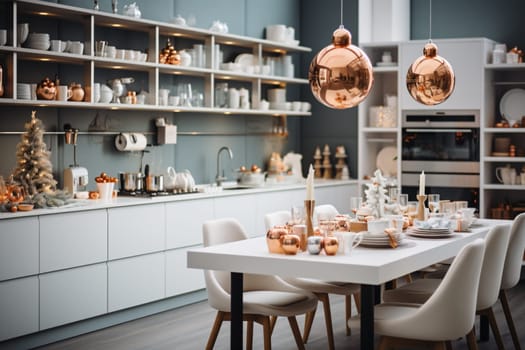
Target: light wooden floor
(187, 328)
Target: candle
(310, 184)
(422, 184)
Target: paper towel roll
(130, 142)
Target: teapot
(132, 10)
(170, 181)
(506, 175)
(76, 92)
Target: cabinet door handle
(439, 130)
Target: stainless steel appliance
(446, 145)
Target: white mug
(504, 175)
(76, 47)
(63, 93)
(58, 45)
(350, 241)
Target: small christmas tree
(34, 169)
(376, 196)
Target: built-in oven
(446, 146)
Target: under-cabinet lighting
(117, 67)
(43, 13)
(116, 25)
(114, 108)
(278, 51)
(44, 59)
(176, 110)
(177, 34)
(227, 113)
(229, 42)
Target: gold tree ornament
(34, 171)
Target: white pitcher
(506, 175)
(170, 179)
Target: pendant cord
(430, 23)
(341, 14)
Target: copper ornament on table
(274, 237)
(290, 244)
(330, 245)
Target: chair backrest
(325, 211)
(514, 258)
(218, 282)
(450, 312)
(496, 245)
(280, 217)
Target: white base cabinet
(135, 281)
(179, 278)
(18, 247)
(73, 239)
(64, 266)
(71, 295)
(18, 307)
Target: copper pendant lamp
(340, 75)
(430, 79)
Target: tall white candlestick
(310, 184)
(422, 184)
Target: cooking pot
(155, 183)
(131, 182)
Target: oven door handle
(439, 130)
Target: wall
(197, 153)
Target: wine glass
(402, 203)
(355, 204)
(297, 215)
(433, 203)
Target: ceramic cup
(3, 37)
(76, 47)
(63, 93)
(111, 51)
(58, 45)
(105, 190)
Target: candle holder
(309, 206)
(421, 207)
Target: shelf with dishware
(67, 35)
(379, 116)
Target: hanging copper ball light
(340, 75)
(430, 79)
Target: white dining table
(367, 266)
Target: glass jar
(221, 95)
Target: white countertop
(123, 201)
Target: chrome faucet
(218, 178)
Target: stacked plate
(430, 232)
(379, 239)
(23, 91)
(39, 41)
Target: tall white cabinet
(480, 86)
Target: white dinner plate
(386, 160)
(429, 235)
(512, 104)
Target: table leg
(484, 331)
(369, 295)
(236, 330)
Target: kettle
(170, 181)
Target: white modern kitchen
(363, 142)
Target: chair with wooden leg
(263, 296)
(512, 271)
(321, 289)
(447, 315)
(497, 243)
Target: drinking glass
(297, 215)
(355, 204)
(433, 202)
(402, 203)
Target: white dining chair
(321, 289)
(448, 314)
(512, 271)
(497, 242)
(263, 295)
